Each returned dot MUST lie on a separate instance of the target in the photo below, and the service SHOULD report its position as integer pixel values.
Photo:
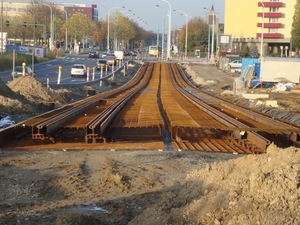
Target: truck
(276, 69)
(119, 55)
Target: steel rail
(255, 139)
(271, 124)
(43, 129)
(96, 127)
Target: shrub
(6, 59)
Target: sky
(151, 17)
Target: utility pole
(213, 32)
(1, 27)
(33, 47)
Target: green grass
(6, 59)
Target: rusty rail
(270, 124)
(158, 100)
(96, 127)
(257, 142)
(43, 129)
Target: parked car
(112, 60)
(104, 54)
(93, 54)
(78, 70)
(111, 52)
(108, 53)
(133, 52)
(18, 72)
(126, 53)
(102, 64)
(235, 64)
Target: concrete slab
(255, 96)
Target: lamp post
(116, 30)
(33, 47)
(212, 31)
(118, 7)
(186, 28)
(169, 31)
(262, 28)
(1, 27)
(104, 9)
(51, 25)
(66, 39)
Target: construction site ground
(147, 187)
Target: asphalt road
(50, 70)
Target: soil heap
(149, 187)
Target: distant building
(244, 20)
(212, 19)
(15, 7)
(89, 12)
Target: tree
(41, 14)
(79, 27)
(296, 28)
(17, 30)
(100, 31)
(196, 26)
(121, 28)
(139, 35)
(125, 30)
(246, 51)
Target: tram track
(158, 104)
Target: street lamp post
(169, 31)
(1, 27)
(51, 25)
(104, 9)
(66, 39)
(33, 47)
(212, 30)
(118, 7)
(186, 29)
(116, 25)
(262, 29)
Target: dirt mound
(32, 89)
(262, 189)
(11, 102)
(25, 97)
(147, 187)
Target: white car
(78, 70)
(235, 64)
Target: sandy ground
(145, 187)
(149, 187)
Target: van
(119, 55)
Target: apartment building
(15, 7)
(265, 26)
(89, 12)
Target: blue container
(257, 70)
(248, 62)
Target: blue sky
(155, 17)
